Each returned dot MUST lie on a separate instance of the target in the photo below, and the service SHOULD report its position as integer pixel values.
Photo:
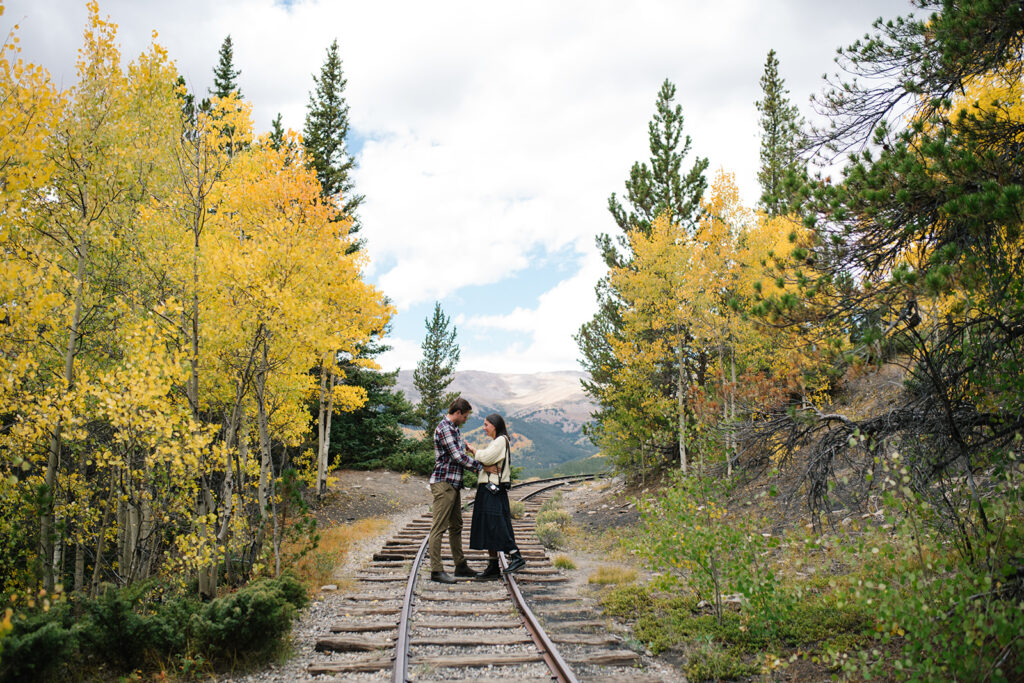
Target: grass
(607, 575)
(815, 627)
(317, 567)
(563, 562)
(518, 508)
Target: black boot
(462, 569)
(515, 562)
(441, 577)
(492, 572)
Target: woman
(492, 518)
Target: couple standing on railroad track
(492, 519)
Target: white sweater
(493, 454)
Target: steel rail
(399, 672)
(552, 657)
(559, 667)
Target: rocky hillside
(545, 412)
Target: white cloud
(558, 315)
(493, 131)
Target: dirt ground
(360, 494)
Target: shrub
(412, 457)
(249, 621)
(552, 503)
(39, 644)
(559, 517)
(114, 633)
(628, 602)
(551, 535)
(518, 508)
(686, 528)
(950, 618)
(710, 663)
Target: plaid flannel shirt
(450, 457)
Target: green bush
(249, 621)
(710, 663)
(949, 616)
(559, 517)
(686, 528)
(41, 642)
(412, 457)
(552, 503)
(551, 535)
(628, 602)
(124, 627)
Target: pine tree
(436, 370)
(276, 132)
(225, 75)
(650, 191)
(659, 188)
(780, 140)
(324, 135)
(366, 436)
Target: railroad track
(526, 627)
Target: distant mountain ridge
(545, 412)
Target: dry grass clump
(317, 567)
(563, 562)
(612, 575)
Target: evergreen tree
(780, 141)
(660, 187)
(225, 75)
(366, 436)
(324, 135)
(918, 246)
(436, 370)
(650, 191)
(276, 132)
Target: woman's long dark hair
(499, 426)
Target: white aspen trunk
(277, 527)
(322, 434)
(101, 538)
(146, 549)
(732, 410)
(681, 391)
(122, 530)
(207, 573)
(262, 423)
(46, 526)
(321, 477)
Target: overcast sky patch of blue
(521, 290)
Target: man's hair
(459, 405)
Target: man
(450, 461)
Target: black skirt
(492, 522)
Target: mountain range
(545, 413)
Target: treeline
(177, 291)
(724, 332)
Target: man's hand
(470, 449)
(491, 469)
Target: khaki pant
(447, 516)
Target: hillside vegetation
(735, 348)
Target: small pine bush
(250, 621)
(39, 644)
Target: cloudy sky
(489, 135)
